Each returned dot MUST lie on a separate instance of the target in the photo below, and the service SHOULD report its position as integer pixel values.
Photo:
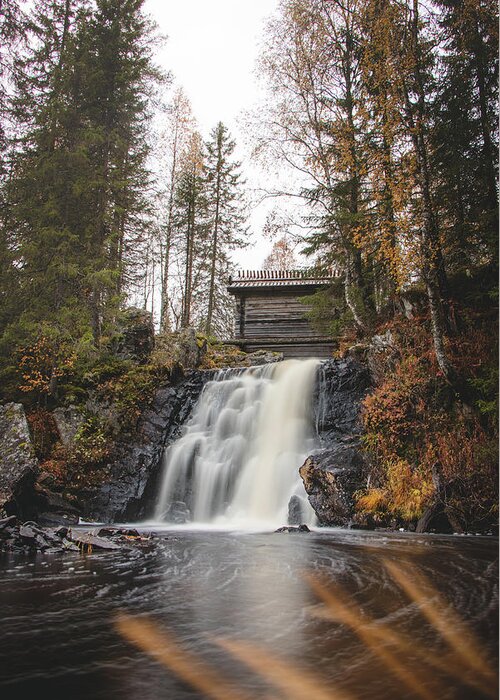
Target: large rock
(68, 419)
(130, 492)
(379, 355)
(53, 508)
(18, 464)
(330, 479)
(334, 473)
(189, 349)
(341, 387)
(135, 338)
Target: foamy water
(236, 465)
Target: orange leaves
(418, 433)
(42, 363)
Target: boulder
(18, 464)
(53, 509)
(379, 355)
(135, 337)
(189, 350)
(331, 478)
(68, 419)
(382, 356)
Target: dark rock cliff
(332, 474)
(129, 493)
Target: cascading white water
(237, 462)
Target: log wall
(275, 319)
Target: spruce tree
(226, 213)
(76, 192)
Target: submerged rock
(89, 541)
(290, 528)
(18, 464)
(331, 478)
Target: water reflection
(57, 634)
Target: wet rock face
(130, 492)
(18, 465)
(341, 386)
(337, 469)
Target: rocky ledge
(29, 538)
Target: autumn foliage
(42, 364)
(426, 446)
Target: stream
(58, 639)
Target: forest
(183, 515)
(386, 111)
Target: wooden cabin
(269, 315)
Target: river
(58, 638)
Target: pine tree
(465, 135)
(120, 75)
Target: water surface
(58, 638)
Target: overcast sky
(211, 50)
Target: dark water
(57, 636)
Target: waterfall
(237, 462)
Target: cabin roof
(249, 279)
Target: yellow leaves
(42, 363)
(406, 492)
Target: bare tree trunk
(352, 289)
(164, 315)
(433, 267)
(188, 273)
(213, 264)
